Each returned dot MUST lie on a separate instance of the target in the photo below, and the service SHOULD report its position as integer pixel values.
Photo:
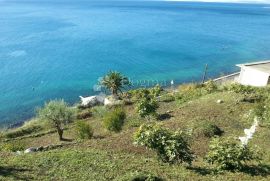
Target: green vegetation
(165, 152)
(228, 154)
(84, 130)
(208, 129)
(114, 119)
(115, 82)
(147, 107)
(13, 146)
(84, 114)
(58, 114)
(172, 147)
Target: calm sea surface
(59, 49)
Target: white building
(254, 74)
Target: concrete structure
(254, 74)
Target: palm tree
(115, 81)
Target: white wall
(249, 76)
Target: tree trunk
(60, 132)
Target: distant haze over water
(59, 49)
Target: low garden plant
(171, 147)
(114, 119)
(84, 130)
(147, 107)
(13, 146)
(229, 154)
(84, 114)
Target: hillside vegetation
(104, 143)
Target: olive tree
(57, 113)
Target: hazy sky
(231, 1)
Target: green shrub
(208, 129)
(13, 146)
(227, 154)
(22, 131)
(263, 110)
(170, 147)
(252, 98)
(144, 93)
(84, 114)
(99, 111)
(188, 92)
(155, 91)
(134, 122)
(114, 120)
(147, 107)
(84, 130)
(238, 88)
(210, 86)
(167, 98)
(259, 110)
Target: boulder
(89, 101)
(112, 101)
(219, 101)
(19, 152)
(30, 150)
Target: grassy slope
(112, 156)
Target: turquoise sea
(59, 49)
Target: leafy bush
(84, 114)
(114, 120)
(147, 107)
(228, 154)
(262, 111)
(155, 91)
(252, 98)
(99, 111)
(84, 130)
(188, 92)
(210, 86)
(22, 131)
(144, 93)
(208, 129)
(167, 98)
(170, 147)
(134, 122)
(13, 146)
(238, 88)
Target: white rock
(219, 101)
(244, 140)
(100, 99)
(19, 152)
(89, 101)
(111, 101)
(30, 150)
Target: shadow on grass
(201, 170)
(164, 116)
(260, 170)
(13, 172)
(67, 139)
(99, 137)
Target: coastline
(167, 87)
